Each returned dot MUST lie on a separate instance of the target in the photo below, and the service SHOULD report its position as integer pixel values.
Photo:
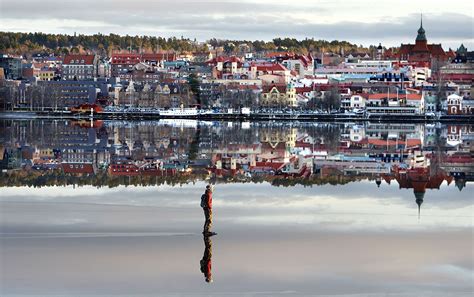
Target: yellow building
(46, 75)
(278, 96)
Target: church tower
(421, 43)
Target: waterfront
(112, 207)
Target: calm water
(112, 208)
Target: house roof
(77, 168)
(302, 90)
(79, 59)
(380, 96)
(279, 87)
(131, 59)
(270, 67)
(434, 49)
(224, 59)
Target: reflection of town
(416, 156)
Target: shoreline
(466, 119)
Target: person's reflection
(206, 261)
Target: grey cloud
(234, 19)
(138, 9)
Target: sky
(358, 240)
(362, 22)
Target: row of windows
(78, 66)
(78, 71)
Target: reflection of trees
(329, 135)
(314, 181)
(37, 179)
(194, 146)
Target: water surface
(300, 209)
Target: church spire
(421, 32)
(419, 201)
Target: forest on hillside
(34, 43)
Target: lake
(101, 208)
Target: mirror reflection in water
(117, 207)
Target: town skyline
(364, 23)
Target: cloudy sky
(362, 21)
(146, 241)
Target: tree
(332, 99)
(194, 84)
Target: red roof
(280, 88)
(270, 67)
(302, 90)
(451, 54)
(433, 49)
(380, 96)
(79, 59)
(224, 59)
(248, 87)
(270, 165)
(132, 59)
(390, 142)
(458, 76)
(126, 59)
(77, 168)
(159, 57)
(278, 54)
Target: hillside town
(417, 78)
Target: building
(71, 93)
(80, 67)
(461, 70)
(390, 103)
(457, 105)
(358, 100)
(123, 63)
(278, 96)
(11, 67)
(421, 53)
(273, 73)
(46, 75)
(301, 65)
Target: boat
(179, 112)
(87, 108)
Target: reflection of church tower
(419, 200)
(378, 181)
(419, 178)
(460, 183)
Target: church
(422, 54)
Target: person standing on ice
(206, 204)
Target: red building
(421, 53)
(123, 63)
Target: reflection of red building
(88, 124)
(421, 53)
(129, 169)
(419, 179)
(78, 168)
